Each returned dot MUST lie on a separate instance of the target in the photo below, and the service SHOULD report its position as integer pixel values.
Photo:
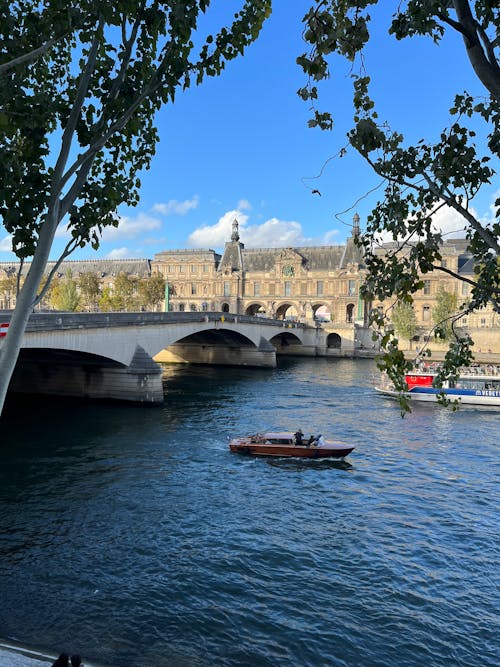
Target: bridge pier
(218, 355)
(140, 382)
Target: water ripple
(135, 537)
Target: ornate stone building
(287, 283)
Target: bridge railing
(43, 321)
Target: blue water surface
(133, 536)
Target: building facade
(308, 284)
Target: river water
(133, 536)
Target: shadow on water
(300, 464)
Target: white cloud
(214, 236)
(445, 220)
(330, 238)
(174, 207)
(6, 244)
(272, 233)
(120, 253)
(244, 205)
(275, 233)
(129, 228)
(450, 223)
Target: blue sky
(239, 147)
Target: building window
(351, 289)
(227, 289)
(193, 308)
(193, 288)
(182, 269)
(443, 263)
(465, 289)
(427, 287)
(272, 290)
(194, 268)
(205, 268)
(319, 288)
(483, 322)
(171, 268)
(256, 289)
(288, 288)
(303, 289)
(426, 313)
(181, 307)
(204, 306)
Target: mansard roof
(232, 259)
(103, 267)
(315, 258)
(198, 254)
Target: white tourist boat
(474, 386)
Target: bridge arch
(334, 341)
(285, 340)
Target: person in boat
(298, 438)
(320, 441)
(311, 440)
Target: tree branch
(67, 138)
(32, 55)
(487, 72)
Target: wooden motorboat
(283, 443)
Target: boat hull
(311, 452)
(431, 395)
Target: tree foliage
(404, 320)
(422, 178)
(80, 84)
(64, 295)
(444, 314)
(89, 289)
(152, 290)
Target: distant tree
(404, 319)
(108, 302)
(125, 291)
(89, 288)
(444, 314)
(420, 179)
(122, 296)
(8, 288)
(80, 84)
(152, 290)
(64, 295)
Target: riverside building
(308, 284)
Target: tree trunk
(9, 352)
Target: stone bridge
(115, 355)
